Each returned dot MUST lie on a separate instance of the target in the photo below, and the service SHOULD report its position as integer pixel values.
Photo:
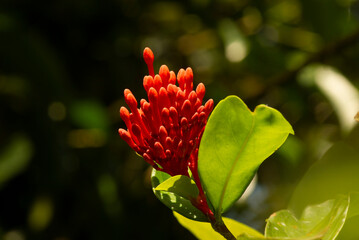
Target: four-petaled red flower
(168, 128)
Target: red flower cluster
(167, 129)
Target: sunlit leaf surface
(335, 173)
(59, 59)
(204, 230)
(235, 142)
(323, 221)
(173, 200)
(181, 185)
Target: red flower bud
(168, 128)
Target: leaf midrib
(224, 189)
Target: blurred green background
(65, 173)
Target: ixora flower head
(166, 130)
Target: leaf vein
(224, 189)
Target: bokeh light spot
(14, 235)
(236, 51)
(40, 214)
(86, 138)
(57, 111)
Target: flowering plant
(203, 161)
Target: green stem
(215, 220)
(219, 226)
(202, 204)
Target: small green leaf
(181, 185)
(235, 142)
(350, 229)
(204, 230)
(323, 221)
(175, 200)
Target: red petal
(146, 108)
(125, 116)
(169, 143)
(181, 78)
(194, 118)
(172, 79)
(149, 58)
(126, 91)
(136, 130)
(168, 153)
(165, 75)
(186, 109)
(189, 80)
(174, 115)
(148, 159)
(197, 105)
(147, 82)
(153, 98)
(159, 150)
(200, 90)
(131, 101)
(165, 116)
(208, 107)
(163, 134)
(172, 92)
(157, 82)
(180, 97)
(192, 97)
(126, 136)
(184, 123)
(163, 98)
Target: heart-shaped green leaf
(323, 221)
(203, 230)
(235, 142)
(176, 197)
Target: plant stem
(215, 220)
(202, 204)
(219, 226)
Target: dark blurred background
(65, 173)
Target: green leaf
(246, 237)
(235, 142)
(171, 196)
(350, 229)
(335, 173)
(181, 185)
(323, 221)
(354, 205)
(204, 230)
